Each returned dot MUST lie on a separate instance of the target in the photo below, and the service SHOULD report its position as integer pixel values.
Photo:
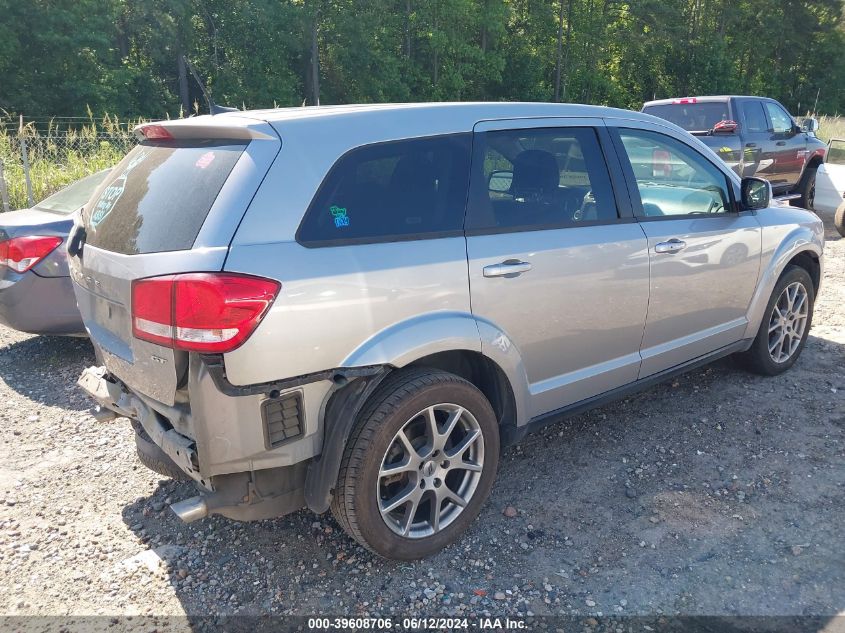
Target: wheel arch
(448, 341)
(801, 247)
(809, 261)
(406, 341)
(482, 372)
(441, 338)
(813, 163)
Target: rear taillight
(200, 312)
(22, 253)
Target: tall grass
(831, 127)
(59, 156)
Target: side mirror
(810, 125)
(500, 181)
(756, 193)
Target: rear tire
(418, 466)
(807, 189)
(839, 219)
(151, 456)
(785, 326)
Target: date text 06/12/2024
(415, 624)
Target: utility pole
(315, 60)
(559, 59)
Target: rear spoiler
(223, 127)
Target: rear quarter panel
(339, 306)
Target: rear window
(401, 190)
(693, 117)
(159, 195)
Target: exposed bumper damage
(244, 496)
(110, 394)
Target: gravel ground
(717, 493)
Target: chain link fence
(40, 156)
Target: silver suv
(356, 307)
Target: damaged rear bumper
(242, 496)
(109, 394)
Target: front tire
(418, 465)
(807, 189)
(785, 326)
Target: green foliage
(74, 57)
(58, 57)
(59, 157)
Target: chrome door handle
(506, 268)
(672, 246)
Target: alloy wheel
(430, 471)
(788, 322)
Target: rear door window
(159, 196)
(538, 178)
(755, 118)
(400, 190)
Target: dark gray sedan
(36, 295)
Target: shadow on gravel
(219, 568)
(45, 369)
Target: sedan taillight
(22, 253)
(200, 312)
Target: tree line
(124, 57)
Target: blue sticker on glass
(340, 217)
(111, 194)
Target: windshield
(74, 196)
(693, 117)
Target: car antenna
(213, 108)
